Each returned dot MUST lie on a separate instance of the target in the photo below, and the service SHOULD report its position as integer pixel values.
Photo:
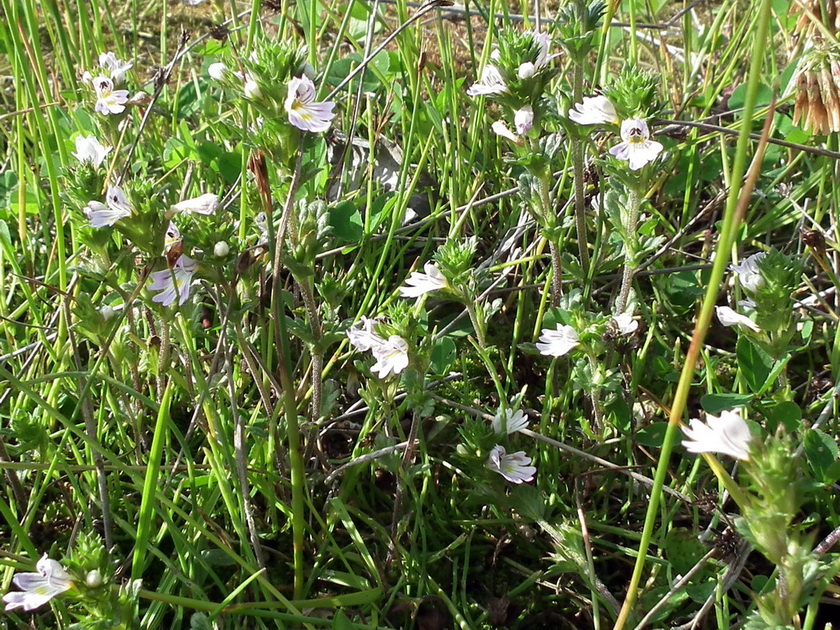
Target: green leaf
(753, 363)
(341, 622)
(443, 354)
(788, 414)
(652, 435)
(346, 222)
(715, 403)
(821, 452)
(200, 621)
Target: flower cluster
(109, 99)
(391, 354)
(636, 148)
(419, 284)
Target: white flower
(523, 118)
(107, 312)
(625, 324)
(38, 588)
(174, 283)
(513, 422)
(217, 71)
(421, 283)
(304, 113)
(204, 204)
(515, 467)
(727, 434)
(729, 317)
(102, 215)
(501, 129)
(556, 343)
(173, 235)
(221, 249)
(594, 110)
(362, 337)
(88, 149)
(748, 272)
(109, 100)
(637, 149)
(391, 356)
(116, 68)
(543, 41)
(491, 84)
(94, 578)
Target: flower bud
(93, 579)
(107, 312)
(221, 249)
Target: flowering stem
(731, 221)
(546, 215)
(634, 203)
(308, 294)
(579, 168)
(556, 267)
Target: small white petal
(526, 70)
(391, 357)
(90, 150)
(362, 337)
(421, 283)
(729, 317)
(727, 434)
(749, 274)
(594, 110)
(559, 342)
(523, 118)
(514, 421)
(625, 324)
(304, 113)
(204, 204)
(515, 467)
(501, 129)
(173, 284)
(491, 84)
(217, 71)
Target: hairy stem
(634, 202)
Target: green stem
(727, 238)
(634, 203)
(579, 168)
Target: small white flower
(217, 71)
(38, 588)
(221, 249)
(491, 84)
(391, 356)
(107, 312)
(421, 283)
(625, 324)
(559, 342)
(174, 283)
(204, 204)
(637, 148)
(729, 317)
(727, 434)
(362, 337)
(116, 68)
(515, 467)
(594, 110)
(88, 149)
(109, 100)
(523, 118)
(173, 235)
(501, 129)
(102, 215)
(514, 421)
(304, 113)
(543, 41)
(748, 272)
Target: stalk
(634, 201)
(731, 220)
(579, 167)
